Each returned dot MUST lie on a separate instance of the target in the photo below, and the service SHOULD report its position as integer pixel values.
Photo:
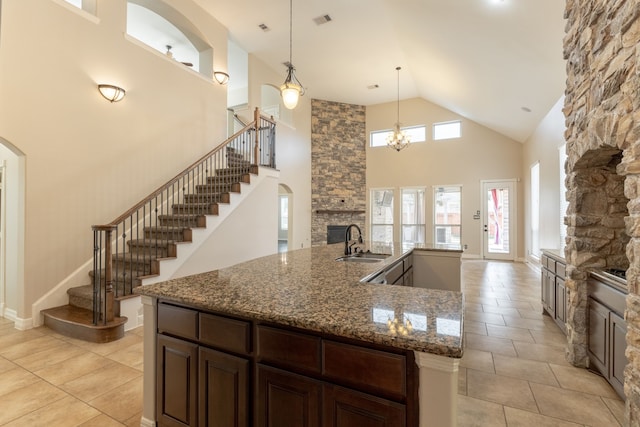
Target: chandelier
(291, 90)
(398, 139)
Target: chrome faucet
(347, 239)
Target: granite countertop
(308, 289)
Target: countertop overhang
(308, 289)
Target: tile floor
(513, 372)
(50, 380)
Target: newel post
(102, 261)
(256, 147)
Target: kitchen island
(301, 328)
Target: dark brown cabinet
(223, 390)
(348, 408)
(198, 385)
(216, 371)
(177, 381)
(554, 293)
(285, 399)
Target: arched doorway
(285, 218)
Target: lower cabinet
(216, 371)
(554, 293)
(285, 399)
(177, 382)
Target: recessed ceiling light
(526, 109)
(322, 19)
(264, 27)
(374, 86)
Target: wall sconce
(111, 93)
(221, 77)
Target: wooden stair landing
(76, 322)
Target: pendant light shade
(398, 140)
(291, 90)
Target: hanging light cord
(290, 31)
(398, 119)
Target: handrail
(130, 247)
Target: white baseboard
(144, 422)
(18, 322)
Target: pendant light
(398, 139)
(291, 90)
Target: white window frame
(437, 225)
(564, 204)
(420, 206)
(373, 204)
(411, 131)
(446, 124)
(534, 220)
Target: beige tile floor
(513, 372)
(49, 380)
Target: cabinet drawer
(353, 366)
(178, 321)
(551, 265)
(288, 349)
(561, 270)
(226, 334)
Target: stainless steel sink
(363, 257)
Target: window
(447, 130)
(415, 133)
(76, 3)
(284, 212)
(564, 205)
(413, 215)
(382, 215)
(446, 218)
(88, 6)
(535, 210)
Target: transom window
(447, 130)
(378, 138)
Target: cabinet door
(284, 399)
(177, 364)
(618, 345)
(549, 299)
(348, 408)
(599, 335)
(223, 390)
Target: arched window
(166, 30)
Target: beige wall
(481, 154)
(543, 146)
(89, 160)
(293, 149)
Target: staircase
(132, 248)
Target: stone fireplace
(602, 110)
(338, 167)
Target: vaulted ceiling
(496, 62)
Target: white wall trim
(18, 323)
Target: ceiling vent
(264, 27)
(323, 19)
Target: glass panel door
(499, 220)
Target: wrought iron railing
(130, 247)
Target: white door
(499, 219)
(2, 250)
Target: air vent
(323, 19)
(264, 27)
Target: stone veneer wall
(338, 166)
(602, 110)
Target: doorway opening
(285, 218)
(499, 201)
